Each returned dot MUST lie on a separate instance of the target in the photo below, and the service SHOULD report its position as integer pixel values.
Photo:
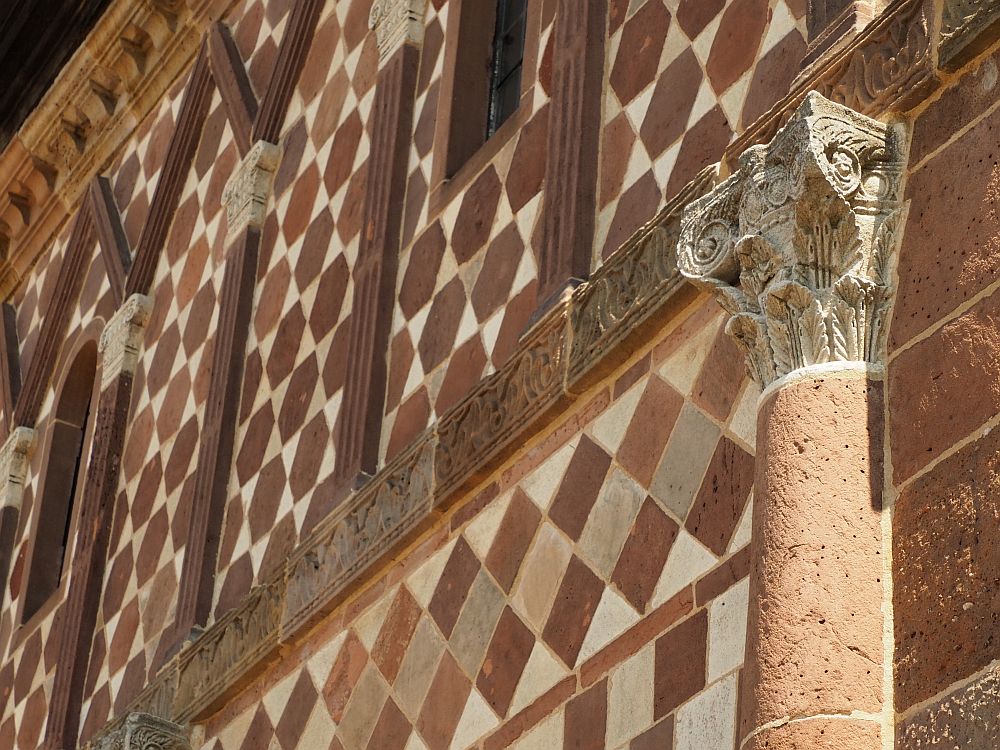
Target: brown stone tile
(505, 661)
(649, 430)
(944, 387)
(297, 710)
(717, 509)
(392, 730)
(453, 587)
(644, 554)
(642, 44)
(394, 638)
(444, 704)
(531, 716)
(516, 317)
(465, 370)
(660, 737)
(680, 664)
(438, 337)
(673, 99)
(736, 42)
(527, 166)
(952, 231)
(411, 420)
(695, 15)
(400, 359)
(286, 345)
(618, 139)
(344, 675)
(340, 163)
(703, 144)
(720, 580)
(497, 275)
(332, 287)
(573, 610)
(513, 539)
(630, 377)
(475, 217)
(300, 205)
(635, 207)
(722, 374)
(773, 76)
(422, 270)
(313, 447)
(587, 719)
(580, 486)
(967, 717)
(946, 565)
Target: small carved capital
(14, 456)
(395, 23)
(144, 732)
(121, 338)
(249, 188)
(796, 245)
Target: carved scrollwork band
(967, 26)
(121, 339)
(395, 23)
(797, 244)
(249, 188)
(14, 456)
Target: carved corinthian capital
(14, 456)
(121, 338)
(796, 244)
(249, 188)
(395, 23)
(145, 732)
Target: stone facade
(388, 453)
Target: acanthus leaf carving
(141, 731)
(797, 244)
(121, 339)
(249, 188)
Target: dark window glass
(508, 60)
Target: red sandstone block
(680, 664)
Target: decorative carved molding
(121, 339)
(14, 457)
(797, 245)
(249, 188)
(228, 652)
(395, 23)
(141, 731)
(632, 284)
(478, 431)
(360, 531)
(967, 28)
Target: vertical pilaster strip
(14, 457)
(798, 247)
(10, 365)
(573, 142)
(119, 350)
(398, 25)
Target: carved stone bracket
(121, 340)
(797, 244)
(967, 28)
(14, 456)
(249, 188)
(142, 731)
(395, 23)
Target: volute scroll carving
(142, 731)
(796, 245)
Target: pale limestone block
(363, 709)
(609, 428)
(483, 529)
(370, 623)
(685, 460)
(418, 666)
(546, 736)
(541, 674)
(630, 697)
(610, 520)
(743, 421)
(709, 719)
(687, 560)
(741, 537)
(415, 743)
(613, 617)
(543, 569)
(320, 663)
(727, 630)
(475, 625)
(319, 729)
(477, 720)
(424, 580)
(683, 366)
(542, 483)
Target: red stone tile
(641, 46)
(465, 370)
(394, 638)
(718, 384)
(297, 711)
(660, 737)
(527, 166)
(679, 671)
(422, 270)
(635, 207)
(444, 704)
(333, 282)
(719, 505)
(720, 580)
(587, 719)
(391, 731)
(736, 42)
(695, 15)
(773, 76)
(573, 610)
(618, 140)
(344, 676)
(649, 430)
(497, 275)
(505, 660)
(411, 420)
(475, 217)
(340, 163)
(703, 144)
(673, 99)
(453, 587)
(580, 486)
(438, 336)
(513, 539)
(644, 554)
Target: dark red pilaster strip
(230, 76)
(215, 447)
(10, 367)
(375, 272)
(573, 143)
(180, 154)
(110, 236)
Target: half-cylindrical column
(813, 675)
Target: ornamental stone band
(14, 455)
(142, 731)
(797, 245)
(121, 339)
(249, 188)
(395, 23)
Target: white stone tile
(630, 697)
(682, 468)
(613, 617)
(543, 569)
(744, 531)
(709, 719)
(687, 560)
(370, 623)
(610, 521)
(542, 483)
(483, 529)
(424, 580)
(541, 674)
(477, 720)
(682, 367)
(546, 736)
(727, 630)
(609, 428)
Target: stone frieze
(121, 339)
(395, 23)
(141, 731)
(967, 27)
(249, 188)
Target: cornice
(114, 80)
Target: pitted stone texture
(819, 734)
(815, 622)
(967, 718)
